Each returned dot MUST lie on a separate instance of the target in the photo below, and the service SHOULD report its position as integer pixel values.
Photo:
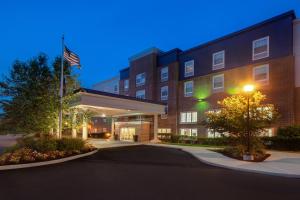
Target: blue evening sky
(105, 33)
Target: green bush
(70, 144)
(289, 131)
(282, 143)
(40, 145)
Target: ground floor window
(189, 132)
(214, 134)
(268, 132)
(164, 130)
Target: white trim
(220, 65)
(268, 47)
(161, 92)
(187, 64)
(184, 89)
(261, 66)
(213, 81)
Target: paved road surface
(142, 172)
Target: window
(188, 88)
(218, 60)
(260, 48)
(126, 85)
(218, 82)
(188, 117)
(164, 130)
(261, 73)
(140, 79)
(164, 93)
(189, 68)
(140, 94)
(116, 89)
(189, 132)
(165, 116)
(164, 74)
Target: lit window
(218, 60)
(126, 85)
(140, 94)
(189, 68)
(164, 93)
(188, 117)
(260, 48)
(189, 132)
(164, 130)
(140, 79)
(261, 73)
(188, 88)
(218, 82)
(164, 74)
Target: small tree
(232, 117)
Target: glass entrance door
(127, 133)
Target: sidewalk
(284, 164)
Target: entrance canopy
(114, 105)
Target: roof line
(249, 28)
(91, 91)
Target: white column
(74, 132)
(84, 129)
(112, 129)
(155, 125)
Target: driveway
(142, 172)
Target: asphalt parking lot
(142, 172)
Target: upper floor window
(189, 68)
(164, 74)
(140, 79)
(218, 82)
(260, 48)
(218, 60)
(261, 73)
(140, 94)
(188, 117)
(164, 93)
(126, 85)
(188, 88)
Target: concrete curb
(50, 162)
(230, 167)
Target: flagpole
(61, 87)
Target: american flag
(71, 57)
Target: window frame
(268, 73)
(190, 94)
(136, 78)
(136, 96)
(164, 98)
(213, 82)
(190, 132)
(220, 65)
(161, 74)
(254, 56)
(185, 67)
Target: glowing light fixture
(248, 88)
(103, 115)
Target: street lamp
(248, 89)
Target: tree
(30, 98)
(232, 117)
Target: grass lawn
(197, 145)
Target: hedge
(282, 143)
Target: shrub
(70, 144)
(289, 131)
(282, 143)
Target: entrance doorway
(127, 133)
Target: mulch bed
(256, 159)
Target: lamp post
(248, 89)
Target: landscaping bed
(31, 150)
(257, 158)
